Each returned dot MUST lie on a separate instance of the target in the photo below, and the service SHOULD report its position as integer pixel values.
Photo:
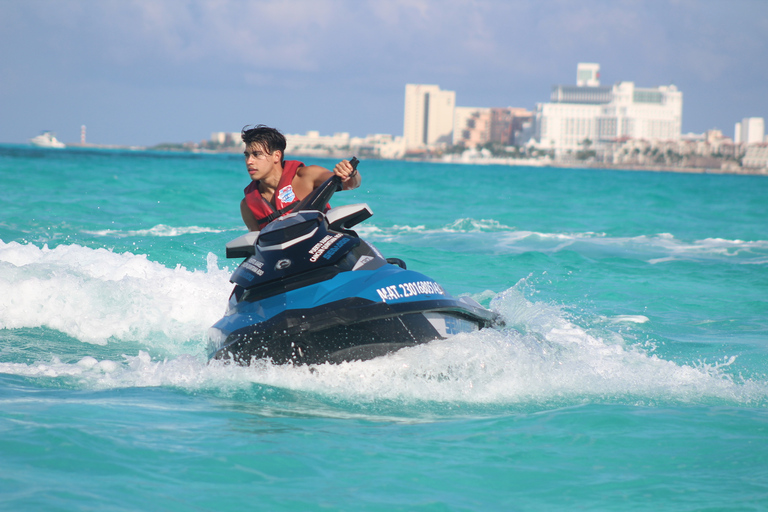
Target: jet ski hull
(295, 328)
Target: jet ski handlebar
(322, 194)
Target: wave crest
(547, 360)
(161, 230)
(96, 295)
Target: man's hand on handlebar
(344, 170)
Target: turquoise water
(633, 374)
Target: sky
(143, 72)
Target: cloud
(448, 38)
(323, 55)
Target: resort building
(429, 115)
(756, 157)
(590, 115)
(341, 145)
(228, 139)
(751, 130)
(472, 126)
(478, 126)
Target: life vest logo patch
(286, 194)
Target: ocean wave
(464, 225)
(469, 225)
(492, 236)
(160, 230)
(753, 252)
(96, 295)
(545, 359)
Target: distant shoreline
(687, 170)
(732, 170)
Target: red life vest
(262, 210)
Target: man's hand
(349, 175)
(344, 170)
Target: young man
(277, 183)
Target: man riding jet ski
(311, 291)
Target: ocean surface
(632, 374)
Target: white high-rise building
(751, 130)
(428, 116)
(584, 116)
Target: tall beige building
(428, 116)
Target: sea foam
(161, 230)
(543, 358)
(488, 235)
(97, 296)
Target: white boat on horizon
(47, 140)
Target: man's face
(259, 161)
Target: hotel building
(478, 126)
(751, 130)
(592, 115)
(428, 116)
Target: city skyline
(141, 73)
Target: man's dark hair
(270, 138)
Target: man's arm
(317, 175)
(248, 218)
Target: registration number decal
(404, 290)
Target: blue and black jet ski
(310, 291)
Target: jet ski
(311, 291)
